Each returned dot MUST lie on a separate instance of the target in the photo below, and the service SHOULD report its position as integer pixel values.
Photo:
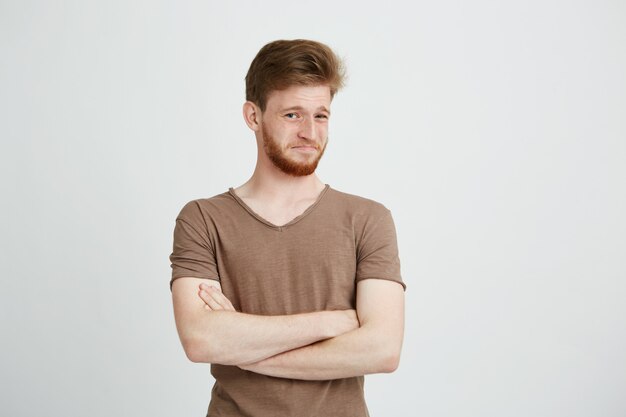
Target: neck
(270, 183)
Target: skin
(224, 336)
(282, 156)
(373, 347)
(291, 136)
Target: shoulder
(201, 209)
(357, 205)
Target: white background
(495, 132)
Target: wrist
(327, 325)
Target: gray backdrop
(495, 132)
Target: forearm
(374, 347)
(233, 338)
(359, 352)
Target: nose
(307, 129)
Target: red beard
(282, 161)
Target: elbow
(390, 363)
(389, 360)
(385, 354)
(197, 351)
(192, 352)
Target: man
(290, 289)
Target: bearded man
(289, 288)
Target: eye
(322, 116)
(291, 115)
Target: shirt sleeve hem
(191, 275)
(386, 279)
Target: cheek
(284, 129)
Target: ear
(252, 115)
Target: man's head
(289, 87)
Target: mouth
(305, 148)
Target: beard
(280, 159)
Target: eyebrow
(322, 108)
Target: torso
(313, 263)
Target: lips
(305, 147)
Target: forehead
(300, 95)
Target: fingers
(209, 302)
(214, 299)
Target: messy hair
(283, 63)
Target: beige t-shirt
(310, 264)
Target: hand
(213, 298)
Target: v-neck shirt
(280, 228)
(313, 264)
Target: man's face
(294, 128)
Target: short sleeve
(192, 253)
(377, 250)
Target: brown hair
(284, 63)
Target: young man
(290, 289)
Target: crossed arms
(313, 346)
